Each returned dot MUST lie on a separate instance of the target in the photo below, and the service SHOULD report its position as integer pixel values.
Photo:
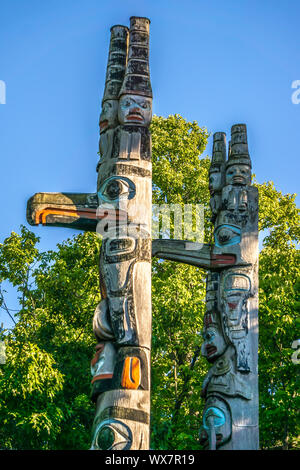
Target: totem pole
(122, 321)
(231, 320)
(230, 334)
(120, 211)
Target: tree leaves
(45, 383)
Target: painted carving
(122, 320)
(217, 423)
(120, 210)
(112, 434)
(236, 289)
(135, 109)
(103, 363)
(230, 321)
(214, 343)
(115, 73)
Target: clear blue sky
(218, 62)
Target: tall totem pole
(120, 210)
(230, 332)
(122, 321)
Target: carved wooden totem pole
(121, 212)
(230, 333)
(122, 321)
(230, 419)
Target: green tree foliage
(45, 383)
(279, 302)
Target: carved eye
(116, 188)
(144, 105)
(126, 103)
(208, 336)
(113, 435)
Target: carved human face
(135, 109)
(214, 344)
(215, 182)
(108, 116)
(238, 175)
(115, 189)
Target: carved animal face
(238, 175)
(109, 115)
(135, 109)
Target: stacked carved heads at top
(233, 200)
(127, 99)
(234, 172)
(135, 98)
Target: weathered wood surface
(184, 251)
(230, 419)
(122, 321)
(121, 211)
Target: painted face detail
(135, 109)
(214, 344)
(109, 115)
(215, 182)
(238, 175)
